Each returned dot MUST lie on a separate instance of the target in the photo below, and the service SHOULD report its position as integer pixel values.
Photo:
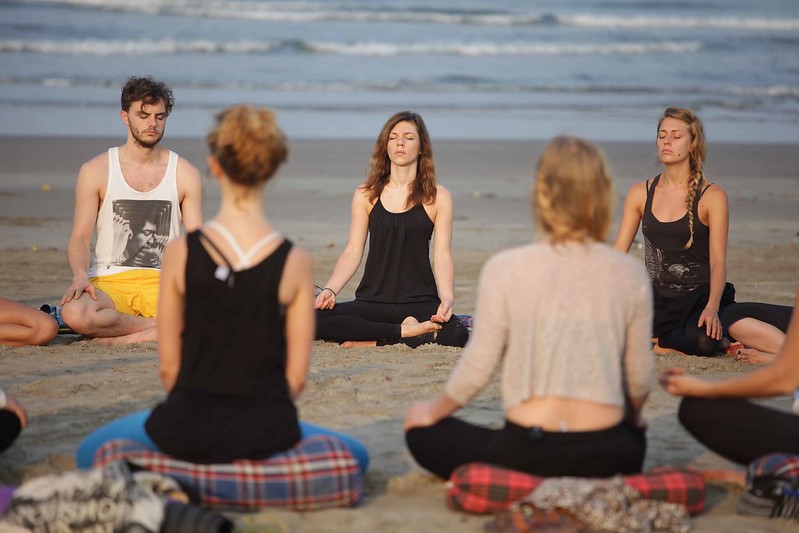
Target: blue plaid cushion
(317, 473)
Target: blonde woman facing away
(235, 319)
(568, 319)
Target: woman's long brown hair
(424, 186)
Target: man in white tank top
(135, 198)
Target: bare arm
(91, 183)
(9, 403)
(350, 259)
(190, 191)
(480, 357)
(443, 266)
(778, 378)
(718, 221)
(170, 311)
(427, 413)
(296, 293)
(631, 216)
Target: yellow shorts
(134, 292)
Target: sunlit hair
(573, 192)
(147, 91)
(424, 187)
(248, 144)
(696, 158)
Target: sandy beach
(72, 386)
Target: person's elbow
(296, 385)
(168, 376)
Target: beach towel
(318, 473)
(483, 488)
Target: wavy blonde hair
(696, 158)
(248, 144)
(573, 193)
(424, 186)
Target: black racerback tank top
(231, 399)
(675, 271)
(398, 265)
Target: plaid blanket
(318, 473)
(483, 488)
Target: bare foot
(145, 335)
(412, 327)
(755, 357)
(657, 350)
(358, 344)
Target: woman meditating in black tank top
(685, 220)
(400, 207)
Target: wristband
(329, 289)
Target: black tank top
(398, 265)
(231, 399)
(675, 271)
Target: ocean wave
(483, 49)
(445, 84)
(348, 12)
(644, 22)
(107, 47)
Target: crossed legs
(100, 319)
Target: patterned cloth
(606, 505)
(102, 499)
(318, 473)
(483, 488)
(772, 487)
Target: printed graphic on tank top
(674, 270)
(141, 230)
(133, 227)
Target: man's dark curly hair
(148, 91)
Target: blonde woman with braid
(684, 219)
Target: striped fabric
(780, 465)
(318, 473)
(772, 487)
(483, 488)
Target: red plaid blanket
(483, 488)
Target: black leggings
(370, 321)
(10, 428)
(738, 429)
(778, 316)
(450, 443)
(691, 339)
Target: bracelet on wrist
(329, 289)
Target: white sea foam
(344, 12)
(643, 22)
(482, 49)
(106, 47)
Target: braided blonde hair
(248, 144)
(696, 159)
(573, 192)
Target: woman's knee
(453, 333)
(692, 412)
